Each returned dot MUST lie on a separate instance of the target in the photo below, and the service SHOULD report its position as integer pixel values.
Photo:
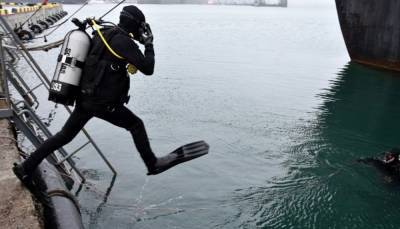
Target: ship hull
(371, 30)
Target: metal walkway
(22, 113)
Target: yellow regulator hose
(131, 68)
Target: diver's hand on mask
(146, 35)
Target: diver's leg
(123, 117)
(74, 124)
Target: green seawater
(285, 113)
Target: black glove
(146, 36)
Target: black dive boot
(25, 178)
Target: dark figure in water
(104, 91)
(389, 164)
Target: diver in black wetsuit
(104, 90)
(389, 164)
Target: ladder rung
(34, 88)
(73, 153)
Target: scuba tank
(64, 87)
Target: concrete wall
(16, 204)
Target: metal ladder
(22, 113)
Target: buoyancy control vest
(104, 80)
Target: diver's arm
(127, 48)
(149, 54)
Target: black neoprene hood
(130, 19)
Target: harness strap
(71, 61)
(131, 68)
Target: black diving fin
(182, 154)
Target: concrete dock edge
(17, 209)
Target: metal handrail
(22, 91)
(28, 90)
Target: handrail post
(5, 110)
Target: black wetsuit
(115, 113)
(391, 169)
(124, 46)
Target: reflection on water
(325, 187)
(362, 106)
